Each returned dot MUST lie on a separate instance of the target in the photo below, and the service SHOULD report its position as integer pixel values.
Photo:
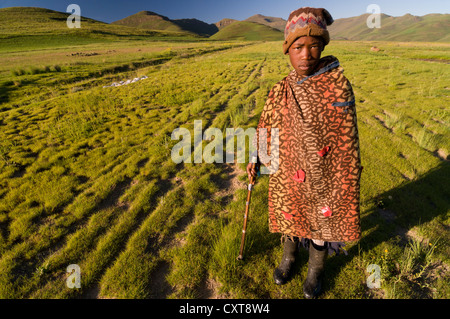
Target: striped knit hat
(307, 21)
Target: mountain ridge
(155, 21)
(248, 31)
(50, 23)
(431, 27)
(274, 22)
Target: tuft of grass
(415, 259)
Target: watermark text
(213, 152)
(74, 279)
(74, 20)
(374, 20)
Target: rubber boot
(283, 272)
(313, 284)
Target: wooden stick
(247, 209)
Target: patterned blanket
(314, 190)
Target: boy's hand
(252, 171)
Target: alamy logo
(374, 20)
(74, 20)
(74, 279)
(213, 152)
(374, 279)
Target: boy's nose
(305, 54)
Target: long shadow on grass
(6, 88)
(397, 211)
(3, 93)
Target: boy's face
(305, 53)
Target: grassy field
(87, 177)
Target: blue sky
(212, 11)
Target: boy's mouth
(306, 66)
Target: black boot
(283, 272)
(313, 284)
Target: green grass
(87, 178)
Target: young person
(314, 190)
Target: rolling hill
(224, 22)
(153, 21)
(49, 27)
(431, 27)
(148, 20)
(196, 26)
(276, 23)
(245, 30)
(257, 27)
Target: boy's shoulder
(279, 85)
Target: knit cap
(307, 21)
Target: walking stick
(247, 209)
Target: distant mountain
(276, 23)
(20, 22)
(430, 27)
(46, 23)
(251, 31)
(153, 21)
(196, 26)
(148, 20)
(224, 22)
